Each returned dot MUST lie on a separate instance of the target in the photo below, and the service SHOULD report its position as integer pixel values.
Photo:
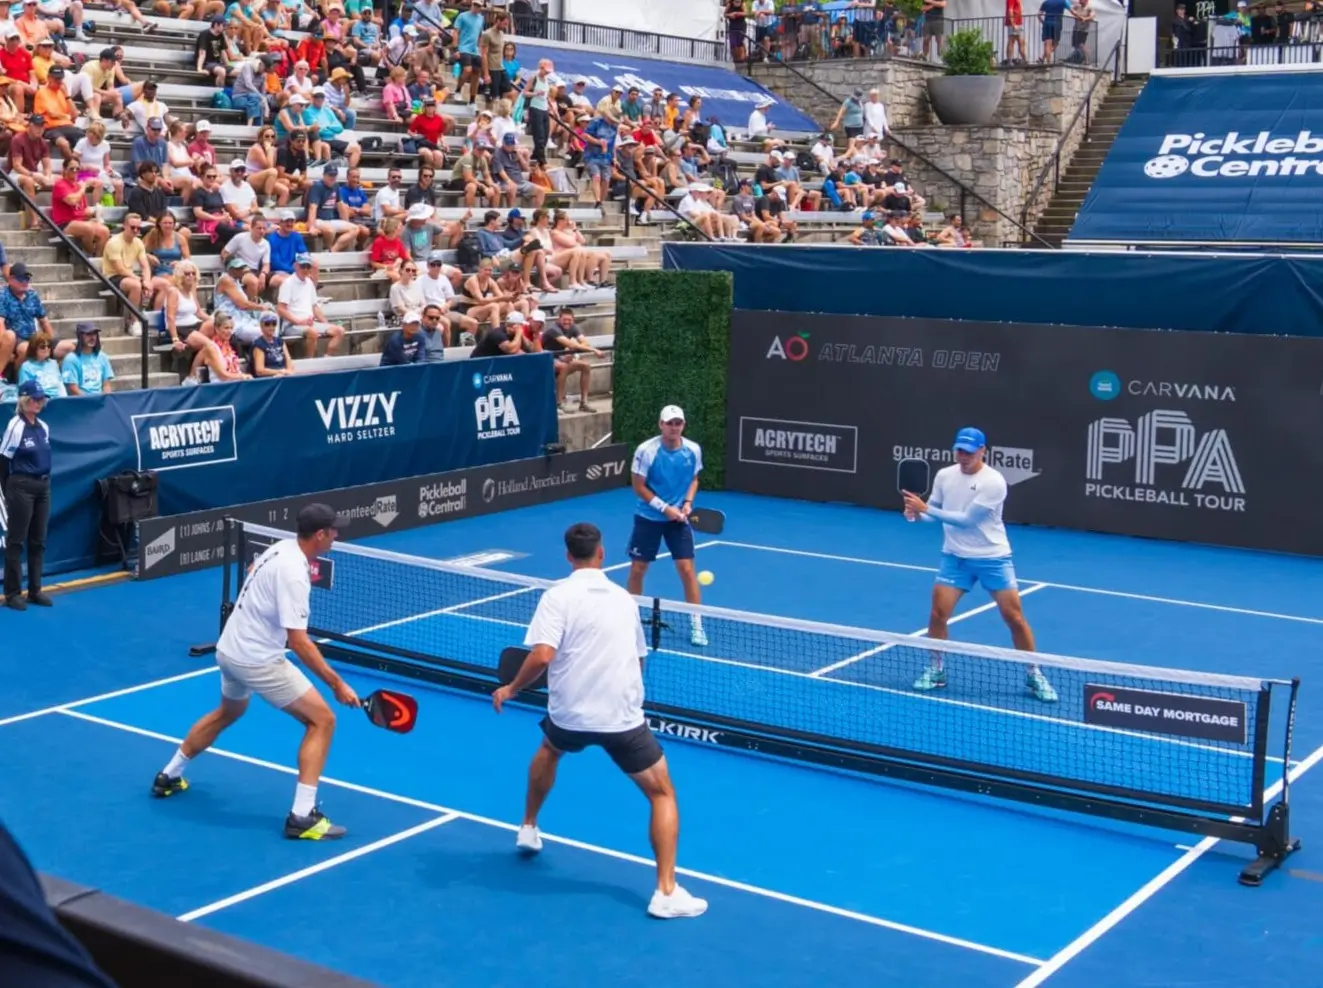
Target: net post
(656, 623)
(1262, 717)
(230, 527)
(1276, 843)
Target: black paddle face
(913, 476)
(512, 659)
(707, 520)
(392, 710)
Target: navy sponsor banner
(186, 542)
(1221, 158)
(1204, 717)
(727, 95)
(276, 437)
(321, 573)
(1189, 436)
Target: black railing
(1076, 43)
(1085, 112)
(624, 40)
(77, 255)
(1293, 53)
(965, 192)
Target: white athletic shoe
(528, 840)
(678, 905)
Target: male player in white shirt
(586, 635)
(272, 609)
(967, 499)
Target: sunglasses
(674, 422)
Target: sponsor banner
(1188, 436)
(321, 573)
(187, 542)
(1203, 717)
(249, 441)
(1213, 158)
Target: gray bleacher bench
(114, 215)
(357, 361)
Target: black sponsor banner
(182, 543)
(1201, 437)
(1188, 716)
(321, 573)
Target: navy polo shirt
(27, 447)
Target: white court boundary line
(321, 866)
(1046, 583)
(62, 707)
(921, 633)
(444, 811)
(1094, 933)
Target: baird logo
(348, 418)
(686, 732)
(159, 548)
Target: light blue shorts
(996, 573)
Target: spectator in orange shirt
(53, 103)
(31, 28)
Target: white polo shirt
(956, 491)
(595, 681)
(299, 295)
(274, 598)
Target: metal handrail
(964, 189)
(1054, 163)
(78, 255)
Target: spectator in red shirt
(69, 210)
(430, 127)
(313, 51)
(16, 69)
(30, 161)
(200, 149)
(388, 251)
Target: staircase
(1062, 208)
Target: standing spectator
(301, 311)
(87, 371)
(599, 148)
(1051, 14)
(491, 52)
(469, 26)
(851, 114)
(39, 365)
(934, 24)
(565, 339)
(875, 116)
(735, 19)
(270, 356)
(405, 346)
(25, 468)
(537, 95)
(22, 315)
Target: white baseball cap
(515, 319)
(672, 412)
(538, 316)
(409, 317)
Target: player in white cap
(665, 477)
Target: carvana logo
(1104, 385)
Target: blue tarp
(1259, 293)
(1234, 158)
(726, 94)
(224, 444)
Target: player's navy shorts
(648, 534)
(633, 751)
(961, 572)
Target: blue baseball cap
(303, 258)
(31, 389)
(970, 440)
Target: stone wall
(998, 163)
(901, 82)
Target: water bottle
(381, 321)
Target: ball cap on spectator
(868, 216)
(238, 165)
(86, 328)
(31, 389)
(268, 317)
(436, 257)
(672, 412)
(156, 123)
(411, 317)
(46, 42)
(287, 216)
(303, 259)
(37, 119)
(970, 440)
(316, 517)
(537, 315)
(202, 125)
(218, 19)
(19, 272)
(514, 214)
(516, 319)
(510, 139)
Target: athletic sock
(177, 764)
(696, 623)
(305, 799)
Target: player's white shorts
(279, 683)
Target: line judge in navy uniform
(665, 477)
(25, 474)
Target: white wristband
(658, 505)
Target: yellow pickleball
(706, 578)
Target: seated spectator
(248, 91)
(253, 247)
(286, 244)
(406, 295)
(324, 218)
(894, 232)
(510, 169)
(355, 206)
(182, 314)
(103, 83)
(124, 263)
(526, 250)
(428, 129)
(58, 111)
(388, 251)
(823, 153)
(569, 260)
(261, 171)
(593, 265)
(564, 339)
(209, 52)
(139, 113)
(395, 97)
(771, 211)
(292, 162)
(301, 311)
(472, 175)
(16, 69)
(40, 364)
(218, 360)
(435, 334)
(211, 220)
(152, 147)
(405, 346)
(956, 234)
(503, 339)
(93, 153)
(439, 293)
(837, 192)
(484, 299)
(759, 129)
(238, 196)
(200, 149)
(515, 289)
(87, 370)
(181, 167)
(867, 235)
(330, 127)
(230, 299)
(897, 199)
(69, 210)
(166, 247)
(22, 315)
(270, 354)
(30, 163)
(389, 200)
(787, 175)
(424, 190)
(743, 208)
(695, 208)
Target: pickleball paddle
(391, 710)
(913, 476)
(709, 521)
(512, 660)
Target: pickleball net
(1183, 749)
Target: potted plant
(970, 89)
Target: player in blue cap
(967, 499)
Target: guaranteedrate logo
(1104, 385)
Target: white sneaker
(678, 905)
(528, 840)
(696, 635)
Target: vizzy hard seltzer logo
(1236, 155)
(352, 418)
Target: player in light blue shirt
(665, 476)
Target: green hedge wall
(672, 346)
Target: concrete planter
(966, 100)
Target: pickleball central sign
(1206, 718)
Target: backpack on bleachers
(468, 252)
(805, 162)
